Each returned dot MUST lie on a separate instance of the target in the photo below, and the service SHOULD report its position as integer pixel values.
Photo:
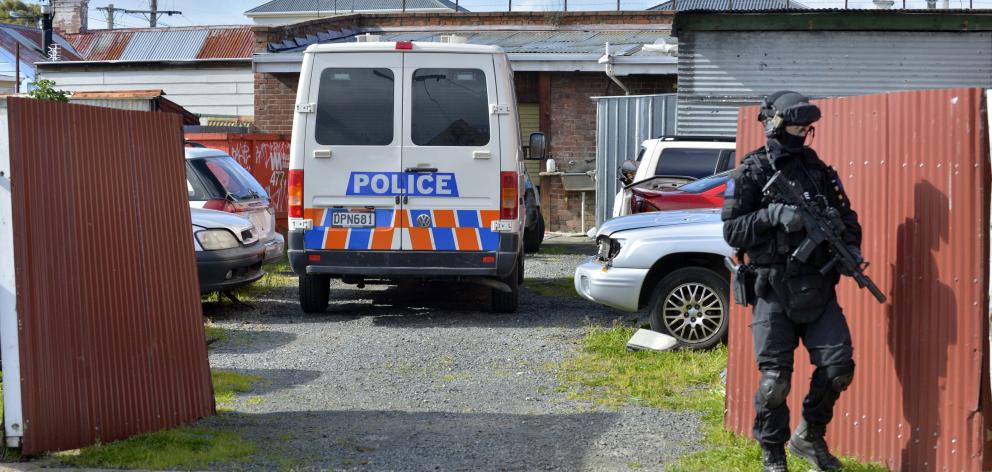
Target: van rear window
(450, 108)
(355, 107)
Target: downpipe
(607, 60)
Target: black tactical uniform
(794, 301)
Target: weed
(215, 334)
(562, 287)
(227, 384)
(277, 276)
(606, 373)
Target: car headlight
(608, 248)
(215, 239)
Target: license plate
(502, 226)
(353, 219)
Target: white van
(406, 164)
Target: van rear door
(352, 167)
(451, 152)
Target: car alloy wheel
(693, 313)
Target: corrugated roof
(166, 44)
(623, 43)
(306, 6)
(30, 41)
(724, 5)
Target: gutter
(607, 59)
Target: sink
(579, 181)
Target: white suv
(669, 162)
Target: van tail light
(221, 204)
(404, 45)
(295, 194)
(508, 195)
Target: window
(688, 162)
(450, 108)
(355, 107)
(216, 177)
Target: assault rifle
(823, 224)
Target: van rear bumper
(402, 264)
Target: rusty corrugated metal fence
(916, 167)
(110, 323)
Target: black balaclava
(782, 109)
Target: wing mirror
(626, 172)
(538, 146)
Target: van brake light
(295, 194)
(508, 195)
(405, 45)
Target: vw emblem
(424, 221)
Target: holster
(743, 281)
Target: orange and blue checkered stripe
(450, 230)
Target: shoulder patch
(730, 188)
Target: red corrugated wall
(111, 329)
(266, 156)
(916, 167)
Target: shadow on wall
(920, 301)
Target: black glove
(786, 216)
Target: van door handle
(420, 169)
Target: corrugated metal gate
(109, 323)
(622, 124)
(719, 71)
(916, 167)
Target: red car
(650, 194)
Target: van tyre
(315, 291)
(691, 304)
(503, 302)
(533, 239)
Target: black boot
(809, 444)
(773, 456)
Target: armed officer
(794, 300)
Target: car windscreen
(706, 183)
(222, 175)
(688, 162)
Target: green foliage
(227, 384)
(45, 90)
(606, 373)
(28, 12)
(215, 334)
(561, 287)
(277, 276)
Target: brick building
(555, 56)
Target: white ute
(671, 262)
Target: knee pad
(774, 388)
(840, 376)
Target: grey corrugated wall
(622, 123)
(720, 71)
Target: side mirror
(538, 148)
(626, 172)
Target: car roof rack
(725, 139)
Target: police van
(406, 164)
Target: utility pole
(153, 12)
(110, 14)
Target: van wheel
(691, 304)
(508, 302)
(315, 291)
(533, 239)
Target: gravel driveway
(424, 378)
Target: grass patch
(277, 276)
(215, 334)
(227, 384)
(604, 372)
(184, 447)
(562, 287)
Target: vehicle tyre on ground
(503, 302)
(534, 238)
(315, 291)
(691, 304)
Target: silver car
(670, 262)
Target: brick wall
(275, 100)
(573, 136)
